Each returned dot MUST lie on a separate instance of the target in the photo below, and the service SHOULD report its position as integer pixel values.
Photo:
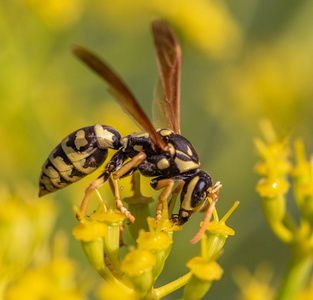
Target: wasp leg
(210, 208)
(125, 169)
(116, 162)
(119, 203)
(92, 186)
(167, 184)
(175, 193)
(129, 166)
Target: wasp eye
(199, 193)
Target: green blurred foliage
(242, 61)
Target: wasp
(163, 154)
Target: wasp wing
(120, 91)
(159, 115)
(169, 63)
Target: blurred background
(243, 61)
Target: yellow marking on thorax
(185, 166)
(124, 142)
(163, 164)
(189, 151)
(182, 153)
(141, 134)
(171, 148)
(165, 132)
(138, 148)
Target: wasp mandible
(160, 153)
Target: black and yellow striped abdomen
(79, 154)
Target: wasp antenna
(205, 222)
(209, 212)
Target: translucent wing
(120, 91)
(169, 62)
(159, 115)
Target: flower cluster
(277, 173)
(134, 275)
(28, 268)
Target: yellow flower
(138, 266)
(137, 262)
(154, 240)
(274, 153)
(113, 291)
(205, 23)
(57, 14)
(51, 280)
(204, 269)
(307, 293)
(275, 165)
(272, 187)
(254, 287)
(272, 79)
(90, 230)
(25, 226)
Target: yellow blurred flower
(112, 291)
(256, 286)
(272, 81)
(53, 280)
(205, 23)
(26, 224)
(57, 14)
(275, 165)
(307, 293)
(25, 227)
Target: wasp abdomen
(79, 154)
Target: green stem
(296, 277)
(171, 287)
(281, 231)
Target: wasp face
(193, 195)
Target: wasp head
(193, 195)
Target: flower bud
(216, 234)
(138, 265)
(158, 243)
(91, 234)
(203, 273)
(111, 241)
